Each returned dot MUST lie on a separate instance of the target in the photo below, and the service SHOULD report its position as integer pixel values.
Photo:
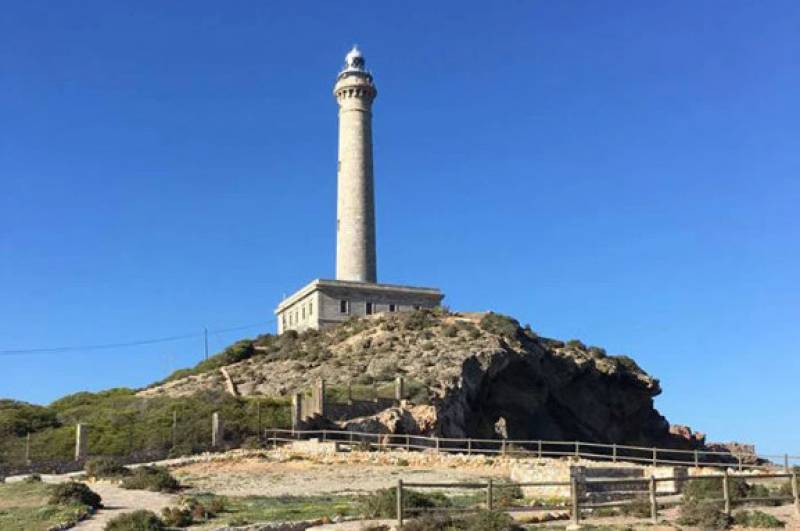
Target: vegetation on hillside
(119, 423)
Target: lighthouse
(355, 291)
(355, 210)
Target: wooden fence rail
(540, 448)
(578, 486)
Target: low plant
(479, 521)
(152, 478)
(757, 519)
(704, 514)
(176, 517)
(136, 521)
(500, 324)
(104, 467)
(383, 503)
(638, 507)
(73, 492)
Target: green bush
(419, 320)
(383, 503)
(104, 467)
(704, 514)
(576, 344)
(136, 521)
(21, 418)
(152, 478)
(73, 492)
(176, 517)
(450, 331)
(480, 521)
(757, 519)
(638, 507)
(501, 325)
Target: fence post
(786, 463)
(726, 491)
(399, 390)
(614, 453)
(490, 496)
(324, 435)
(577, 450)
(469, 446)
(739, 457)
(796, 493)
(28, 448)
(696, 459)
(258, 414)
(80, 441)
(274, 440)
(174, 426)
(216, 430)
(297, 411)
(503, 447)
(655, 456)
(653, 501)
(437, 444)
(576, 506)
(399, 503)
(539, 448)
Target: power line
(106, 346)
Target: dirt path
(117, 501)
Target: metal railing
(540, 448)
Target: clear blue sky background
(625, 173)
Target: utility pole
(205, 341)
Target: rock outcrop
(473, 372)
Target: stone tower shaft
(355, 212)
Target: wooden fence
(577, 486)
(540, 448)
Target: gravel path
(117, 501)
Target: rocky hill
(479, 371)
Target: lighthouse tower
(355, 291)
(355, 213)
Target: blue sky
(625, 173)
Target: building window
(344, 306)
(392, 308)
(303, 313)
(283, 321)
(369, 308)
(310, 308)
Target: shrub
(153, 478)
(703, 514)
(506, 494)
(499, 324)
(176, 517)
(136, 521)
(104, 467)
(72, 492)
(217, 504)
(383, 503)
(449, 331)
(33, 478)
(481, 521)
(489, 521)
(757, 519)
(711, 489)
(418, 320)
(638, 507)
(576, 344)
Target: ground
(283, 486)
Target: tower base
(324, 303)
